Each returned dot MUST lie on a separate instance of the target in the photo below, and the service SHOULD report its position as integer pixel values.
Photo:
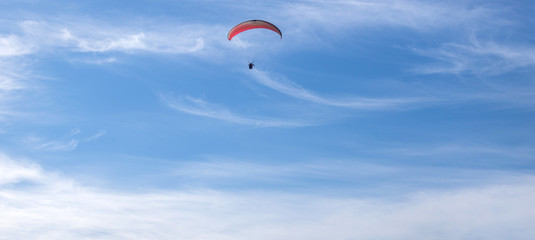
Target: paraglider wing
(252, 24)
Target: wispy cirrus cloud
(457, 149)
(66, 143)
(292, 89)
(417, 15)
(496, 71)
(85, 35)
(90, 36)
(86, 40)
(12, 45)
(199, 107)
(95, 136)
(410, 169)
(15, 81)
(462, 53)
(477, 57)
(62, 208)
(217, 169)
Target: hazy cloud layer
(53, 207)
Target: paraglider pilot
(252, 24)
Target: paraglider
(252, 24)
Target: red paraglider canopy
(252, 24)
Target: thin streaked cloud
(217, 168)
(477, 57)
(95, 136)
(16, 81)
(462, 151)
(371, 177)
(88, 36)
(12, 45)
(66, 143)
(418, 15)
(199, 107)
(80, 40)
(292, 89)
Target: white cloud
(59, 146)
(14, 171)
(27, 41)
(54, 207)
(17, 171)
(199, 107)
(348, 175)
(294, 90)
(92, 36)
(489, 70)
(95, 136)
(14, 82)
(13, 75)
(217, 169)
(65, 143)
(418, 15)
(457, 149)
(452, 26)
(9, 84)
(487, 58)
(14, 46)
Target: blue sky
(367, 120)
